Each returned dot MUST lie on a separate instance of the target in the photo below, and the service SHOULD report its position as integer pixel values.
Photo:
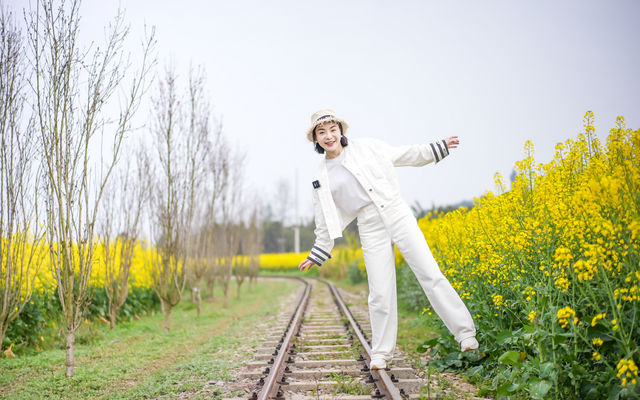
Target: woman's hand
(305, 264)
(452, 142)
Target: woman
(356, 179)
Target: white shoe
(469, 343)
(378, 363)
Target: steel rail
(271, 383)
(383, 382)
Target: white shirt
(347, 192)
(371, 162)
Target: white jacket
(371, 161)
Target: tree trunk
(112, 319)
(3, 330)
(211, 285)
(226, 294)
(71, 340)
(167, 319)
(162, 309)
(199, 298)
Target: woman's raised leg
(445, 301)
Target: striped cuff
(439, 149)
(318, 256)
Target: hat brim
(344, 124)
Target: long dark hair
(343, 140)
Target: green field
(137, 360)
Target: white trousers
(379, 230)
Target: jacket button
(371, 190)
(382, 206)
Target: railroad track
(322, 351)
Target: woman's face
(328, 136)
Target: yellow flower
(627, 369)
(498, 300)
(562, 283)
(598, 317)
(597, 341)
(532, 316)
(566, 314)
(595, 356)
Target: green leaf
(475, 370)
(454, 355)
(514, 387)
(598, 331)
(614, 394)
(592, 394)
(578, 370)
(538, 389)
(510, 357)
(559, 338)
(503, 337)
(427, 344)
(502, 389)
(546, 369)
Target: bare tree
(168, 270)
(197, 151)
(240, 259)
(21, 250)
(73, 86)
(119, 231)
(198, 267)
(231, 214)
(253, 240)
(217, 165)
(181, 138)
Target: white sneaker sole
(378, 365)
(469, 344)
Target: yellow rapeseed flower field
(561, 249)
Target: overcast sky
(494, 73)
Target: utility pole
(296, 222)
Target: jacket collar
(322, 173)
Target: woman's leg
(379, 260)
(445, 301)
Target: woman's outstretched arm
(417, 155)
(321, 250)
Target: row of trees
(71, 172)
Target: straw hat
(322, 116)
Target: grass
(346, 384)
(412, 330)
(347, 285)
(137, 360)
(332, 356)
